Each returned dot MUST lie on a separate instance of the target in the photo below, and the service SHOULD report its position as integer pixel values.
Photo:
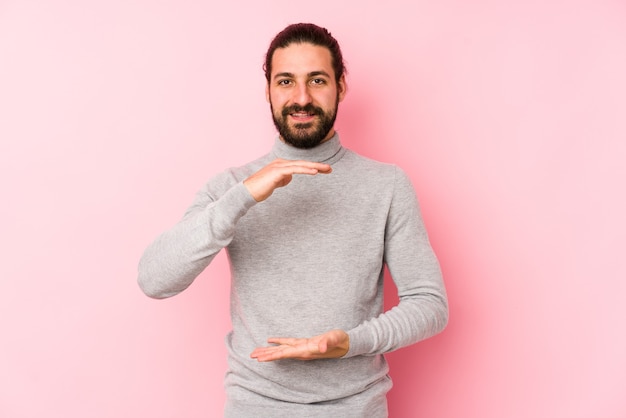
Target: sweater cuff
(237, 201)
(359, 342)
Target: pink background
(510, 117)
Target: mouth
(302, 116)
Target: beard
(305, 135)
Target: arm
(176, 257)
(173, 261)
(423, 307)
(421, 313)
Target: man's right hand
(279, 173)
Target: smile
(302, 116)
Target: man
(308, 229)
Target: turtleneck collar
(327, 152)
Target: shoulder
(358, 161)
(373, 169)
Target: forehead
(301, 58)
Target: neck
(328, 151)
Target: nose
(301, 94)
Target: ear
(267, 92)
(342, 87)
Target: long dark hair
(305, 33)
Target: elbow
(154, 291)
(434, 315)
(150, 289)
(152, 286)
(441, 316)
(444, 317)
(154, 280)
(146, 282)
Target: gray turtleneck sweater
(307, 260)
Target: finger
(263, 352)
(296, 169)
(320, 167)
(272, 348)
(259, 351)
(323, 346)
(271, 355)
(299, 169)
(265, 357)
(324, 169)
(283, 340)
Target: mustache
(309, 108)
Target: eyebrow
(311, 74)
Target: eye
(318, 81)
(284, 82)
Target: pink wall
(510, 117)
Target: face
(303, 94)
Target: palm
(332, 344)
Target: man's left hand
(332, 344)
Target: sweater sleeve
(176, 257)
(422, 310)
